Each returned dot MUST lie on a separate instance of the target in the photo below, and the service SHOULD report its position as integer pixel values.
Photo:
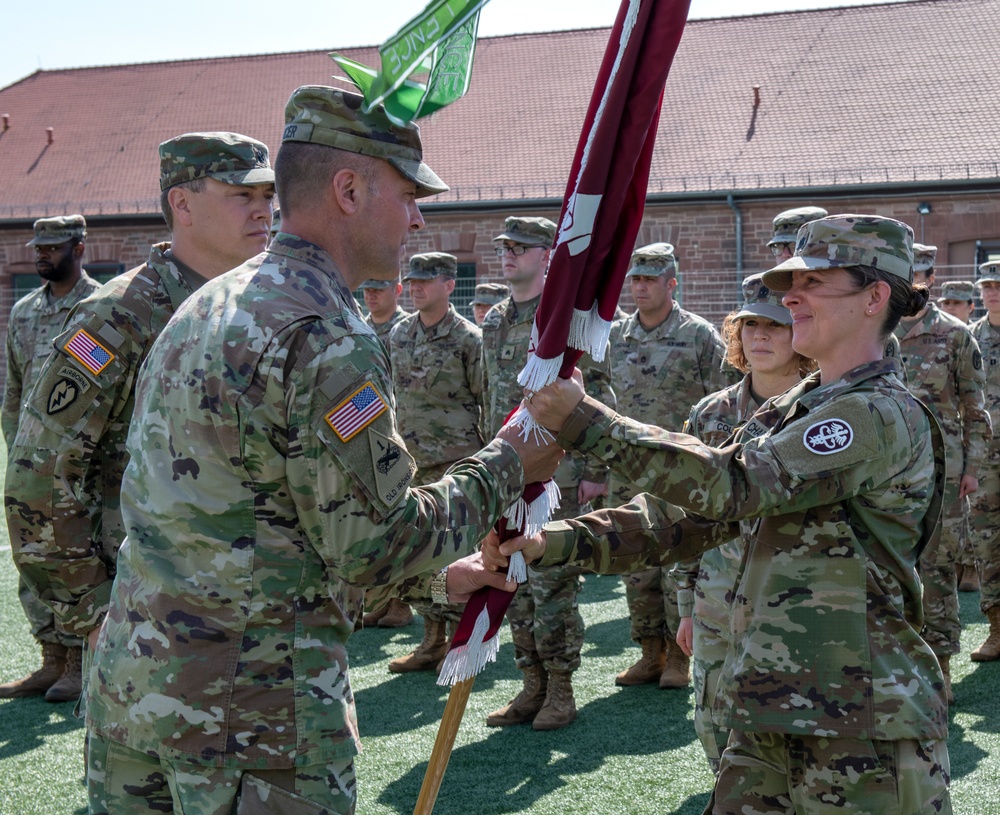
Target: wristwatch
(439, 587)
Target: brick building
(888, 109)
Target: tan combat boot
(370, 620)
(70, 684)
(397, 615)
(428, 654)
(990, 650)
(37, 683)
(946, 671)
(648, 667)
(677, 672)
(559, 709)
(525, 706)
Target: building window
(465, 289)
(103, 271)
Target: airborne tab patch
(356, 412)
(88, 352)
(69, 385)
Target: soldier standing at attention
(268, 487)
(435, 356)
(545, 621)
(382, 302)
(944, 369)
(34, 322)
(486, 296)
(663, 361)
(833, 699)
(985, 526)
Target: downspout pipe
(739, 242)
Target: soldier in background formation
(663, 361)
(384, 311)
(785, 228)
(486, 296)
(34, 322)
(544, 616)
(435, 356)
(944, 369)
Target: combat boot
(524, 707)
(648, 667)
(37, 683)
(371, 619)
(946, 672)
(396, 615)
(70, 684)
(990, 650)
(559, 709)
(677, 672)
(428, 654)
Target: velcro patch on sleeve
(86, 350)
(356, 412)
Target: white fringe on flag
(589, 332)
(538, 372)
(530, 518)
(468, 660)
(530, 428)
(517, 569)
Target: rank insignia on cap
(356, 412)
(88, 352)
(828, 437)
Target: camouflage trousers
(652, 604)
(985, 531)
(781, 774)
(448, 613)
(123, 781)
(42, 621)
(942, 627)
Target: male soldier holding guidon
(65, 468)
(268, 488)
(435, 356)
(34, 321)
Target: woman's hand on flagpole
(538, 460)
(552, 405)
(471, 573)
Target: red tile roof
(892, 93)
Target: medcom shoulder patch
(828, 436)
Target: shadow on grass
(25, 724)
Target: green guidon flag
(426, 65)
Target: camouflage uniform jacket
(506, 334)
(846, 479)
(268, 486)
(988, 338)
(65, 469)
(660, 373)
(437, 380)
(944, 369)
(33, 323)
(383, 330)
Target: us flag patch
(89, 352)
(356, 412)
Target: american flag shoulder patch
(356, 412)
(88, 352)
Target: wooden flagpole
(443, 744)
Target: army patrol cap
(923, 257)
(787, 224)
(432, 264)
(226, 157)
(489, 294)
(54, 231)
(528, 231)
(653, 260)
(377, 284)
(848, 240)
(317, 114)
(989, 271)
(760, 301)
(964, 290)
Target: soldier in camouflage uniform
(664, 359)
(33, 323)
(382, 301)
(834, 700)
(66, 464)
(435, 357)
(944, 369)
(758, 343)
(785, 229)
(544, 617)
(485, 297)
(985, 521)
(268, 487)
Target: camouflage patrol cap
(377, 284)
(528, 231)
(787, 224)
(653, 260)
(317, 114)
(989, 271)
(53, 231)
(924, 257)
(848, 240)
(489, 294)
(226, 157)
(760, 301)
(430, 265)
(964, 290)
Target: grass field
(630, 751)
